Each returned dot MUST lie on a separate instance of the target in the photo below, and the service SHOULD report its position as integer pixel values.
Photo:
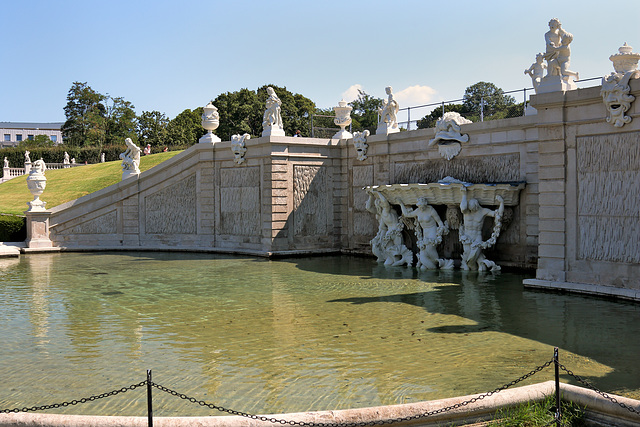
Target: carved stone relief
(240, 201)
(311, 200)
(478, 169)
(172, 210)
(608, 168)
(103, 224)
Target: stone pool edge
(599, 409)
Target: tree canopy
(94, 119)
(365, 112)
(492, 98)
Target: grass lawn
(64, 185)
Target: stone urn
(625, 60)
(342, 119)
(210, 121)
(36, 182)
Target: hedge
(13, 228)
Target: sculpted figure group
(429, 230)
(558, 57)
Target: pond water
(273, 336)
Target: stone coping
(598, 408)
(584, 288)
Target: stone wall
(589, 191)
(577, 220)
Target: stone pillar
(38, 229)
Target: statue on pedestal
(388, 114)
(558, 56)
(272, 119)
(130, 159)
(471, 232)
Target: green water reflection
(271, 336)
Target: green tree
(121, 121)
(365, 112)
(240, 112)
(86, 115)
(186, 128)
(491, 97)
(429, 121)
(152, 129)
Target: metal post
(408, 118)
(524, 102)
(442, 108)
(149, 404)
(557, 364)
(482, 109)
(312, 133)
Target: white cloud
(351, 93)
(415, 95)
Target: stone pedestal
(209, 137)
(273, 131)
(126, 174)
(555, 84)
(387, 128)
(38, 230)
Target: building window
(18, 138)
(7, 137)
(54, 138)
(30, 137)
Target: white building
(11, 133)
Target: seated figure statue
(471, 233)
(130, 159)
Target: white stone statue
(429, 230)
(73, 160)
(448, 134)
(342, 119)
(66, 158)
(388, 114)
(360, 142)
(272, 119)
(6, 162)
(238, 147)
(36, 182)
(27, 159)
(471, 232)
(387, 246)
(536, 71)
(210, 121)
(102, 158)
(615, 87)
(130, 159)
(558, 56)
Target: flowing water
(273, 336)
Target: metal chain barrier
(362, 423)
(601, 393)
(75, 402)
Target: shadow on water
(603, 330)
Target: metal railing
(557, 413)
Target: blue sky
(169, 55)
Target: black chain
(358, 424)
(601, 393)
(75, 402)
